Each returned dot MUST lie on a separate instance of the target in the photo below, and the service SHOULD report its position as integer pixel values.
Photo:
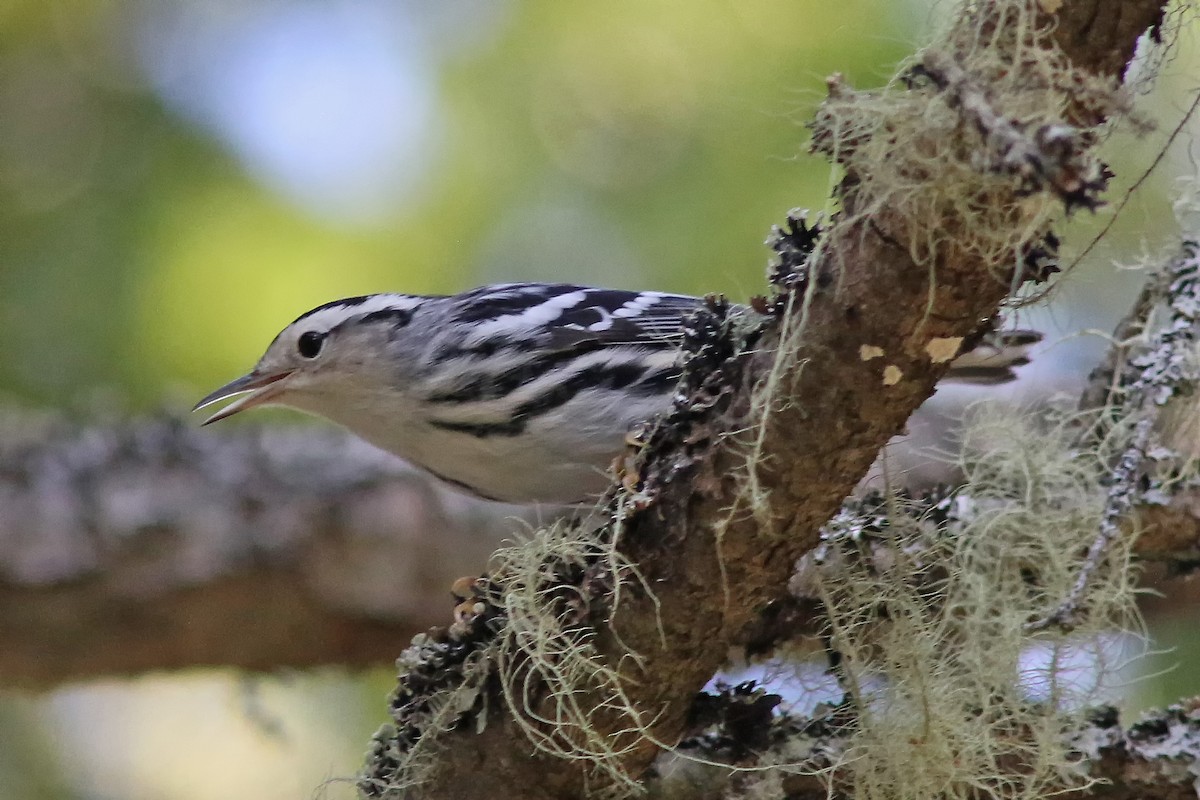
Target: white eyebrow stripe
(328, 318)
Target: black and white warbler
(519, 392)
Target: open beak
(260, 388)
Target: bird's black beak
(262, 388)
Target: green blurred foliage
(638, 143)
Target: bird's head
(328, 352)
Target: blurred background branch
(143, 545)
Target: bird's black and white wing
(567, 316)
(528, 357)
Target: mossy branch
(776, 426)
(1153, 757)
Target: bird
(516, 392)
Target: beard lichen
(525, 641)
(546, 656)
(928, 614)
(977, 144)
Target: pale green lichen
(932, 638)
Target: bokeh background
(181, 178)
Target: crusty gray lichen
(1157, 756)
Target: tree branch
(1154, 757)
(151, 545)
(713, 550)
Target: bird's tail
(992, 359)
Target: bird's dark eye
(310, 343)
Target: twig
(1161, 372)
(1158, 158)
